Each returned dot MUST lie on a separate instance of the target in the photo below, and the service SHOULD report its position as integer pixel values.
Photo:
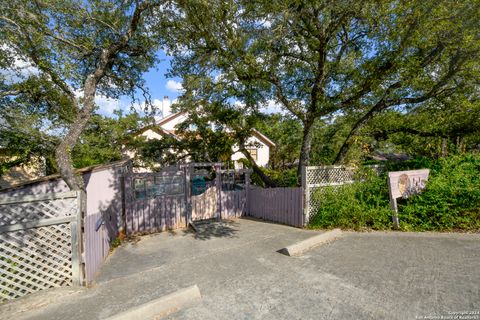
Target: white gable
(169, 123)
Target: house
(34, 168)
(258, 144)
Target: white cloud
(107, 105)
(273, 107)
(20, 68)
(174, 86)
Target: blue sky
(157, 84)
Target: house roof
(160, 130)
(263, 138)
(157, 129)
(169, 118)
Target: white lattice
(13, 213)
(35, 258)
(329, 175)
(319, 177)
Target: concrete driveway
(241, 276)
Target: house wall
(34, 169)
(263, 151)
(149, 134)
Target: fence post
(188, 193)
(77, 242)
(306, 196)
(247, 193)
(128, 194)
(218, 184)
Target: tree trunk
(265, 179)
(63, 152)
(444, 148)
(306, 147)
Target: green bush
(451, 200)
(283, 178)
(356, 206)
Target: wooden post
(76, 242)
(188, 194)
(218, 183)
(393, 206)
(306, 196)
(123, 222)
(247, 193)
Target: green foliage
(286, 132)
(451, 200)
(326, 61)
(56, 57)
(354, 206)
(283, 178)
(104, 139)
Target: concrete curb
(302, 246)
(162, 306)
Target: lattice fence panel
(36, 249)
(319, 177)
(329, 175)
(13, 213)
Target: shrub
(450, 201)
(356, 206)
(283, 178)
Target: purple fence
(97, 245)
(233, 204)
(155, 214)
(283, 205)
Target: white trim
(262, 136)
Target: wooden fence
(155, 201)
(39, 243)
(156, 214)
(233, 204)
(283, 205)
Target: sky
(158, 85)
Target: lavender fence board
(283, 205)
(233, 204)
(155, 214)
(97, 245)
(204, 206)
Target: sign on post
(403, 184)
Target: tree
(324, 58)
(107, 139)
(78, 49)
(286, 132)
(437, 129)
